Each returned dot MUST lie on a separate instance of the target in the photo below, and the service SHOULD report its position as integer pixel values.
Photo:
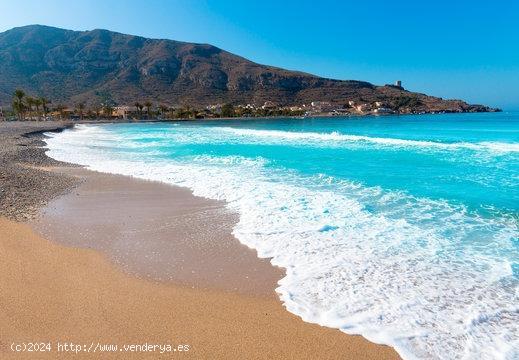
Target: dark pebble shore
(25, 185)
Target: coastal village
(26, 107)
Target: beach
(93, 258)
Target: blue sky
(453, 49)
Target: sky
(453, 49)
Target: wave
(498, 147)
(426, 277)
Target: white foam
(392, 275)
(330, 138)
(333, 139)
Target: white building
(321, 106)
(362, 107)
(320, 103)
(269, 105)
(383, 110)
(123, 111)
(217, 108)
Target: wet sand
(51, 293)
(134, 262)
(156, 231)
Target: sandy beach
(95, 259)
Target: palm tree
(19, 94)
(61, 109)
(81, 108)
(44, 102)
(37, 103)
(163, 109)
(29, 100)
(138, 106)
(148, 105)
(97, 110)
(108, 109)
(18, 105)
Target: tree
(108, 109)
(37, 103)
(29, 100)
(18, 105)
(61, 109)
(97, 110)
(148, 105)
(44, 102)
(228, 110)
(183, 112)
(172, 112)
(163, 109)
(138, 106)
(80, 109)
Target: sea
(403, 229)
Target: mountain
(88, 66)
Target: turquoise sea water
(401, 228)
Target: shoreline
(25, 187)
(156, 231)
(293, 339)
(53, 294)
(314, 116)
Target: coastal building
(362, 107)
(269, 105)
(383, 110)
(216, 108)
(62, 113)
(246, 107)
(322, 106)
(320, 103)
(124, 111)
(398, 83)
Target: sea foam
(357, 258)
(335, 137)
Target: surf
(432, 277)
